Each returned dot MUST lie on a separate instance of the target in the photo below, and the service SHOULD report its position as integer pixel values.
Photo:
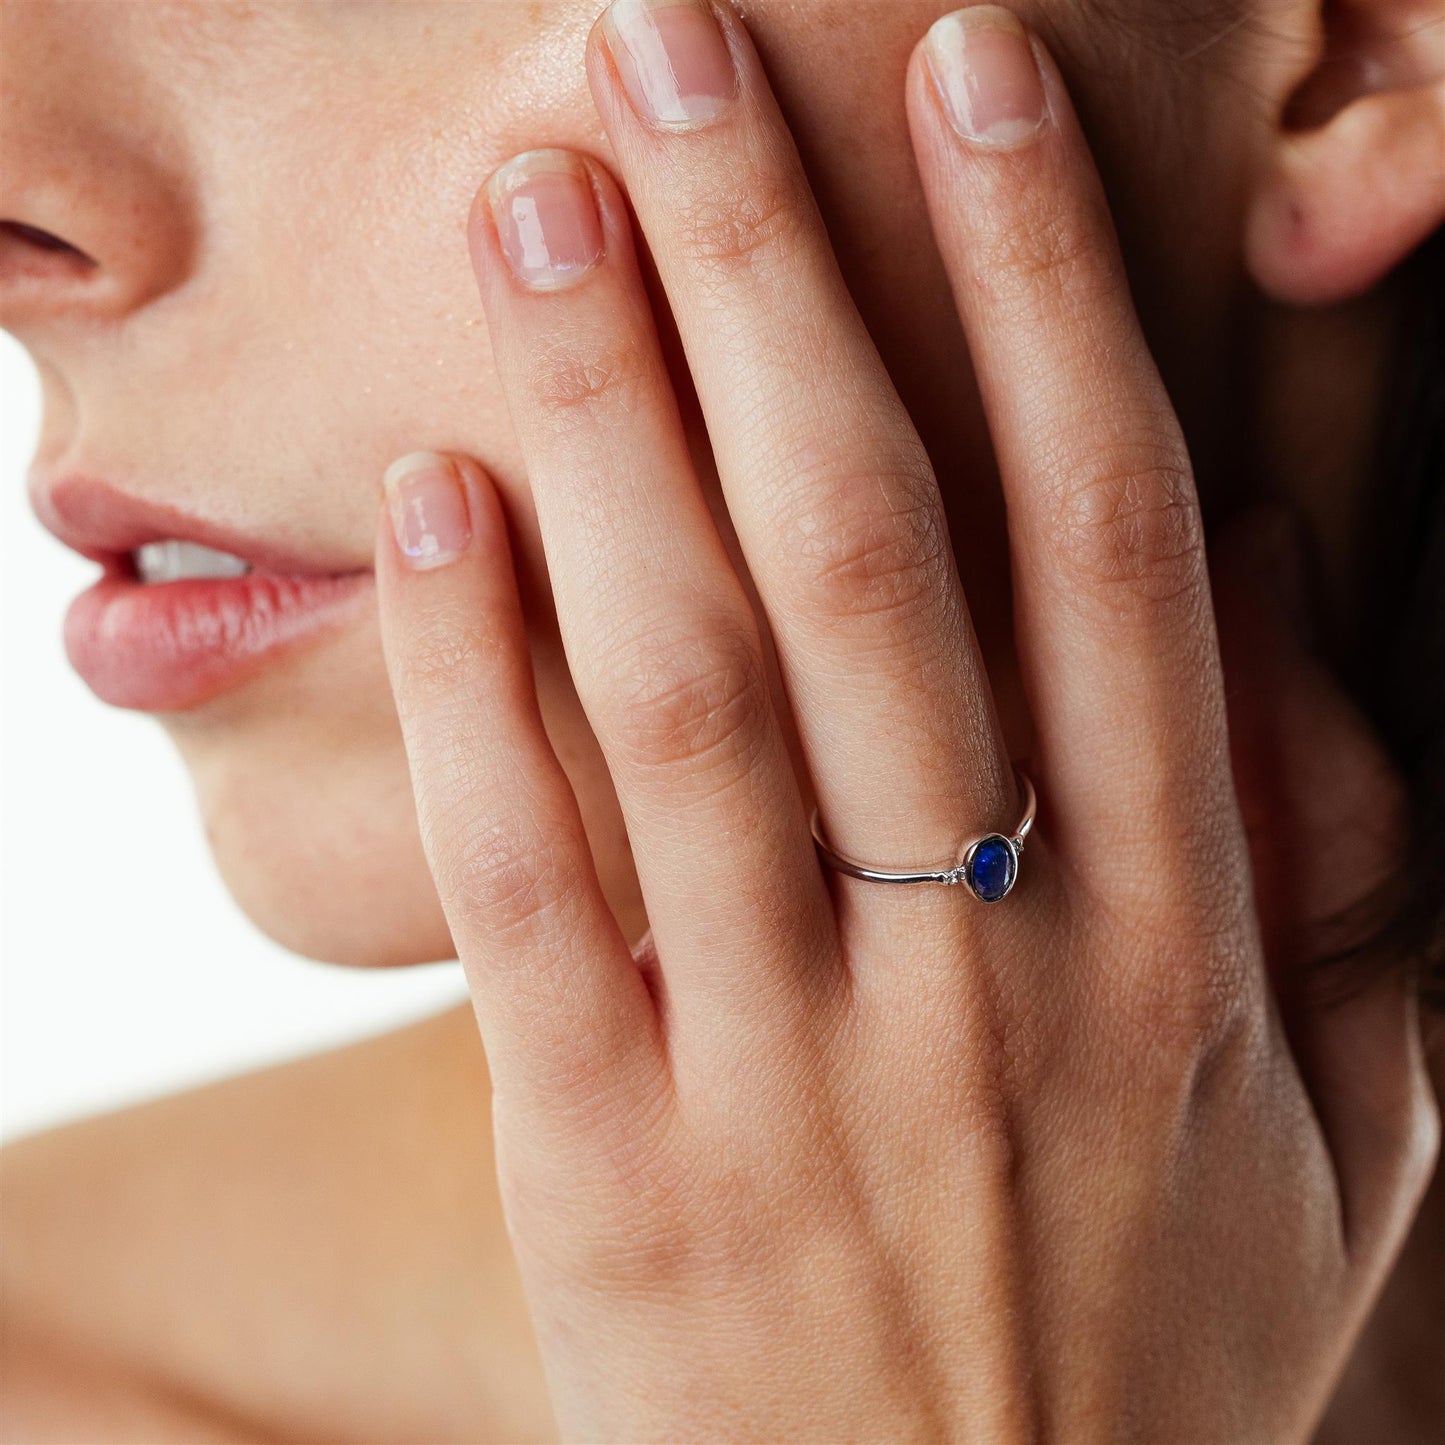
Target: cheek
(303, 787)
(342, 329)
(338, 303)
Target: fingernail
(546, 218)
(428, 504)
(672, 59)
(987, 76)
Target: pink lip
(173, 645)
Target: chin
(303, 787)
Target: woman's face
(277, 302)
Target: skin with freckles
(274, 200)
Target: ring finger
(826, 480)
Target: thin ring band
(988, 864)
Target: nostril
(36, 237)
(30, 251)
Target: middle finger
(828, 485)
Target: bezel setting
(988, 845)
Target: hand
(832, 1159)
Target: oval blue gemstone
(991, 870)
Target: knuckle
(1131, 527)
(514, 881)
(868, 547)
(741, 226)
(609, 1257)
(1185, 1003)
(601, 1253)
(1047, 249)
(449, 648)
(588, 381)
(689, 696)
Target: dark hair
(1398, 673)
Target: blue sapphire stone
(991, 869)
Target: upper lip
(106, 524)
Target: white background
(125, 969)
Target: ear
(1355, 176)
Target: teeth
(180, 561)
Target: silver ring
(987, 865)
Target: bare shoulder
(307, 1250)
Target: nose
(93, 215)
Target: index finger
(1114, 621)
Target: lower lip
(173, 645)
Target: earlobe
(1352, 187)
